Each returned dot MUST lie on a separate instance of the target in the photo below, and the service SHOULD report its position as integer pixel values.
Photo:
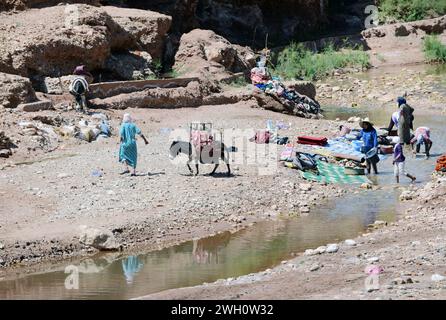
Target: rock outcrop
(73, 35)
(15, 90)
(207, 55)
(98, 238)
(6, 5)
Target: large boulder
(130, 65)
(6, 5)
(74, 35)
(15, 90)
(98, 238)
(205, 54)
(147, 28)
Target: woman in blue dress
(128, 152)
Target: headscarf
(127, 118)
(401, 101)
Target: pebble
(310, 252)
(350, 242)
(2, 246)
(314, 267)
(437, 277)
(373, 259)
(332, 248)
(321, 249)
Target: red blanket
(316, 141)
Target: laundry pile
(97, 126)
(441, 164)
(270, 134)
(298, 104)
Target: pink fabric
(422, 131)
(374, 270)
(200, 138)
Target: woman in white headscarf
(128, 152)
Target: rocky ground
(59, 191)
(402, 260)
(59, 194)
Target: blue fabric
(131, 266)
(370, 138)
(261, 86)
(128, 150)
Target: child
(398, 163)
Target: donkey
(210, 154)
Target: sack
(317, 141)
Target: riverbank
(410, 253)
(46, 202)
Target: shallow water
(225, 255)
(250, 250)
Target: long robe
(405, 123)
(128, 151)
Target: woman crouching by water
(128, 152)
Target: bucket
(386, 149)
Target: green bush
(411, 10)
(434, 50)
(295, 61)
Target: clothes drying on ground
(441, 164)
(332, 173)
(317, 141)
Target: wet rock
(98, 238)
(366, 186)
(406, 195)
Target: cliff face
(242, 21)
(6, 5)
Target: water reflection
(206, 251)
(131, 266)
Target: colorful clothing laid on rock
(128, 151)
(441, 164)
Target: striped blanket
(332, 173)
